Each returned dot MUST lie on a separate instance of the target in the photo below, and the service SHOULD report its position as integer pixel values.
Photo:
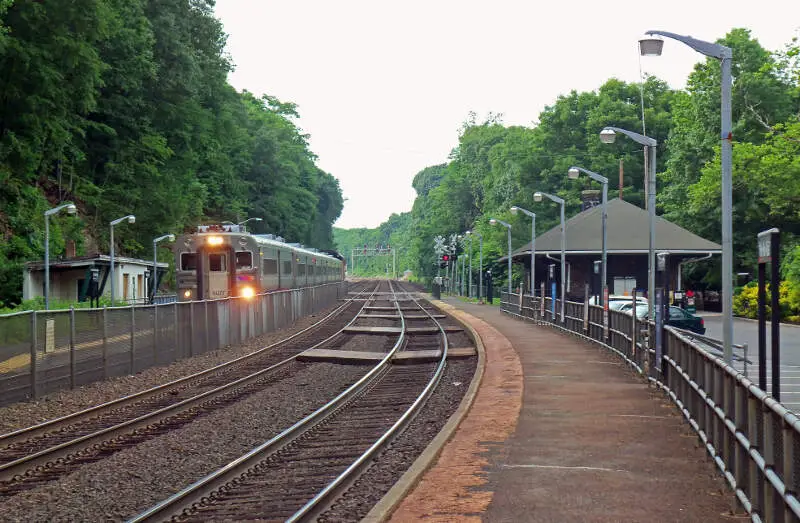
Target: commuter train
(218, 261)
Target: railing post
(34, 335)
(71, 346)
(178, 351)
(755, 488)
(769, 464)
(191, 328)
(105, 342)
(205, 313)
(133, 339)
(155, 333)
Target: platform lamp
(494, 221)
(573, 173)
(169, 238)
(71, 209)
(480, 262)
(538, 196)
(130, 219)
(652, 47)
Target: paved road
(746, 331)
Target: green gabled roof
(628, 232)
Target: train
(220, 261)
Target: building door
(126, 283)
(624, 286)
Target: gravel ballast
(136, 478)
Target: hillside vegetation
(123, 107)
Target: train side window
(311, 270)
(287, 267)
(270, 266)
(217, 262)
(188, 261)
(244, 260)
(301, 269)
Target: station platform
(559, 430)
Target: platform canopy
(628, 232)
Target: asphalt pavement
(746, 331)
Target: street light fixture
(254, 219)
(480, 262)
(169, 238)
(573, 173)
(608, 135)
(538, 196)
(514, 210)
(725, 55)
(494, 221)
(71, 209)
(130, 219)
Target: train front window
(188, 261)
(244, 260)
(217, 262)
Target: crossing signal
(444, 260)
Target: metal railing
(753, 439)
(46, 351)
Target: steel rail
(205, 486)
(9, 470)
(44, 427)
(320, 502)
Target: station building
(628, 240)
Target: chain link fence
(45, 351)
(753, 439)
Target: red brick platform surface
(565, 433)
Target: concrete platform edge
(387, 505)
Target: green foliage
(123, 107)
(745, 303)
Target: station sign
(765, 245)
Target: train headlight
(247, 292)
(214, 240)
(187, 293)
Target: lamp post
(507, 226)
(652, 47)
(608, 135)
(514, 210)
(168, 237)
(574, 172)
(130, 219)
(71, 209)
(480, 263)
(469, 279)
(537, 197)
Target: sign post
(769, 244)
(605, 312)
(586, 308)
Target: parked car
(677, 317)
(615, 301)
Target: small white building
(70, 278)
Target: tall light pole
(652, 47)
(494, 221)
(130, 219)
(537, 197)
(608, 135)
(480, 262)
(469, 279)
(71, 209)
(574, 173)
(514, 210)
(168, 237)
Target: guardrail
(753, 439)
(46, 351)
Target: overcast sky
(382, 87)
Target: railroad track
(298, 474)
(44, 452)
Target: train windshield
(188, 261)
(244, 260)
(217, 262)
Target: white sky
(382, 87)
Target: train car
(218, 261)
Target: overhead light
(214, 240)
(493, 221)
(651, 46)
(131, 219)
(574, 173)
(71, 209)
(537, 196)
(608, 135)
(514, 209)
